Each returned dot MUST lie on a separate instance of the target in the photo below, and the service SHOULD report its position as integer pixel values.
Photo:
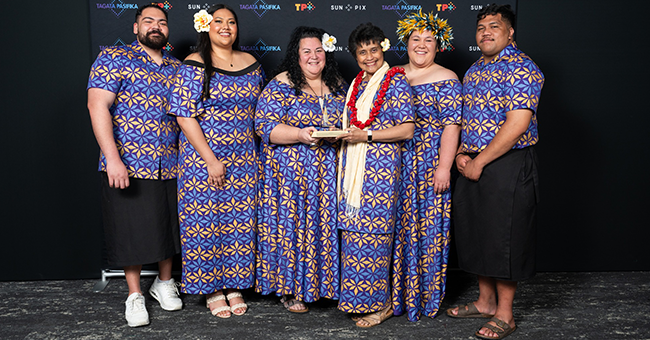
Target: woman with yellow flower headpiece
(422, 231)
(213, 98)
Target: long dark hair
(331, 75)
(204, 48)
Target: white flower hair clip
(385, 45)
(202, 20)
(328, 42)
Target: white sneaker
(167, 294)
(136, 313)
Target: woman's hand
(354, 135)
(217, 174)
(441, 181)
(304, 136)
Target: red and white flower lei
(352, 104)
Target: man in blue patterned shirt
(495, 199)
(127, 91)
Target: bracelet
(369, 136)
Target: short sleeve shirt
(511, 81)
(146, 137)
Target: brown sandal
(374, 319)
(289, 302)
(467, 311)
(501, 328)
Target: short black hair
(138, 13)
(365, 34)
(505, 10)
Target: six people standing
(308, 217)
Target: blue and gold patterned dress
(422, 231)
(366, 241)
(218, 225)
(298, 249)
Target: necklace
(312, 89)
(321, 103)
(352, 104)
(219, 58)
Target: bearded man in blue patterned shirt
(127, 91)
(495, 199)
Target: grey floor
(612, 305)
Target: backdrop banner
(265, 26)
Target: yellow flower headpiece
(439, 28)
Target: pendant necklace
(321, 103)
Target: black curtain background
(592, 114)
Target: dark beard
(153, 42)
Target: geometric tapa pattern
(218, 225)
(368, 238)
(421, 236)
(146, 137)
(365, 280)
(298, 245)
(510, 82)
(383, 162)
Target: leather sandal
(219, 309)
(374, 319)
(501, 328)
(243, 305)
(289, 302)
(467, 311)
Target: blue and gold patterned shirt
(510, 82)
(146, 137)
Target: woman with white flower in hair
(378, 119)
(297, 249)
(422, 231)
(214, 97)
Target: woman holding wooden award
(297, 246)
(379, 117)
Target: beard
(152, 41)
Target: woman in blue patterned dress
(214, 98)
(422, 231)
(379, 117)
(297, 250)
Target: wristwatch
(369, 136)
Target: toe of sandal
(500, 328)
(218, 310)
(242, 305)
(374, 319)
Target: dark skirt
(140, 222)
(495, 218)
